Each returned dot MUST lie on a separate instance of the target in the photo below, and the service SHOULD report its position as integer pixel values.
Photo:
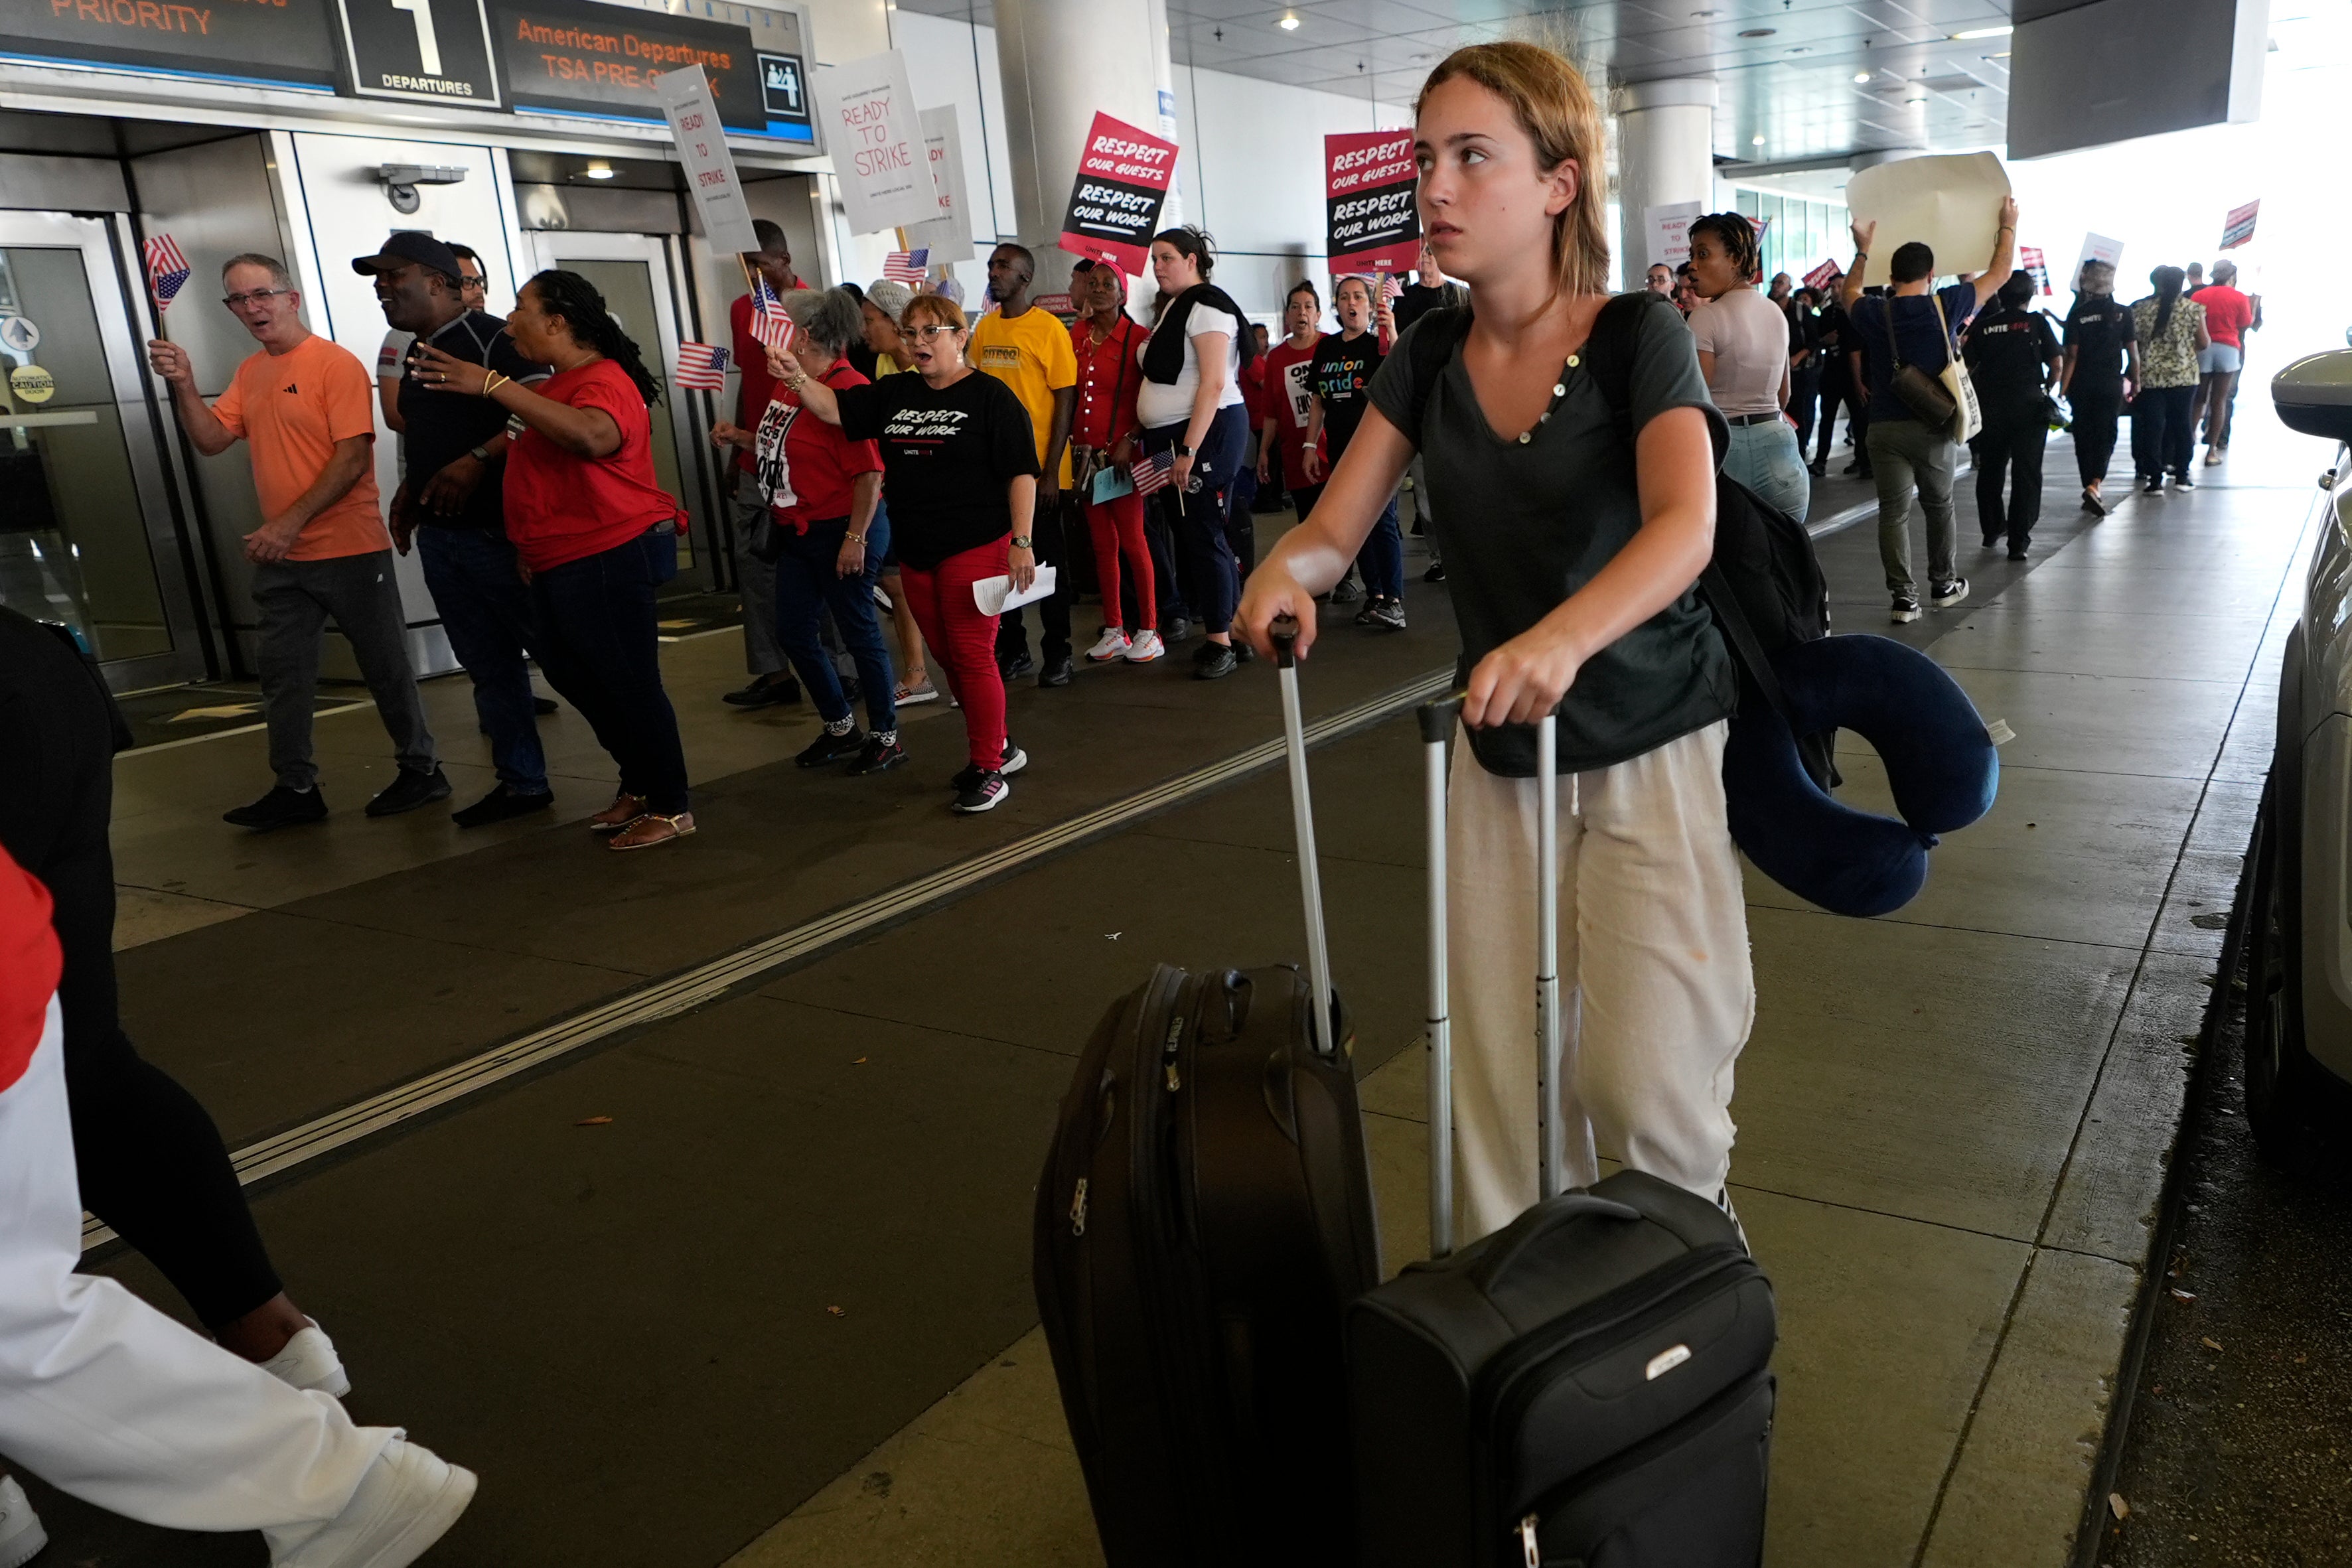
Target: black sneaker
(1020, 664)
(1818, 470)
(765, 691)
(987, 792)
(1179, 628)
(2183, 482)
(1015, 760)
(1370, 615)
(1852, 468)
(500, 805)
(282, 808)
(1220, 661)
(880, 756)
(409, 792)
(1992, 541)
(1436, 572)
(1906, 608)
(1388, 615)
(1055, 673)
(2092, 505)
(828, 748)
(2017, 553)
(1943, 595)
(1242, 651)
(2152, 487)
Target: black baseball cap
(407, 246)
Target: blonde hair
(1557, 110)
(936, 307)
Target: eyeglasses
(477, 283)
(934, 330)
(258, 296)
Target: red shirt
(2227, 313)
(1108, 381)
(805, 467)
(759, 387)
(30, 964)
(563, 508)
(1254, 391)
(1286, 402)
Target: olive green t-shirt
(1525, 524)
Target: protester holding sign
(1340, 379)
(771, 677)
(1107, 342)
(1191, 405)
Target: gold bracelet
(858, 539)
(492, 381)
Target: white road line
(711, 981)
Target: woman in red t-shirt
(2229, 316)
(1103, 433)
(1281, 454)
(822, 490)
(597, 535)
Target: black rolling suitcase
(1588, 1387)
(1205, 1216)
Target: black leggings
(150, 1163)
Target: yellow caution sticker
(31, 383)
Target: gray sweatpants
(1904, 455)
(755, 581)
(296, 598)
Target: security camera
(401, 180)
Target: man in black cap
(451, 504)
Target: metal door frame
(663, 258)
(170, 546)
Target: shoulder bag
(1927, 398)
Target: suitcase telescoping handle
(1283, 634)
(1438, 719)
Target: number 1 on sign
(428, 46)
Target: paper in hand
(1951, 204)
(995, 595)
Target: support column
(1666, 154)
(1062, 61)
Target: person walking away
(1913, 327)
(1833, 339)
(302, 405)
(2228, 315)
(1341, 379)
(2100, 374)
(2012, 358)
(1429, 291)
(1190, 406)
(1805, 367)
(451, 509)
(2170, 333)
(824, 492)
(772, 679)
(1241, 495)
(596, 533)
(1104, 431)
(1290, 400)
(1029, 350)
(1742, 339)
(1586, 609)
(959, 466)
(886, 300)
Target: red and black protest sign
(1370, 222)
(1115, 203)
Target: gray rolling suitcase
(1590, 1386)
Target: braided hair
(1736, 233)
(573, 298)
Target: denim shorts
(2218, 357)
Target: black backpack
(1764, 586)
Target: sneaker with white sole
(308, 1361)
(1944, 595)
(987, 792)
(407, 1500)
(1906, 608)
(1114, 645)
(1146, 647)
(22, 1538)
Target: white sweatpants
(105, 1397)
(1656, 988)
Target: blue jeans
(1766, 459)
(598, 645)
(808, 584)
(1196, 519)
(486, 610)
(1381, 560)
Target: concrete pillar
(1063, 60)
(1666, 154)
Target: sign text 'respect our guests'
(1115, 203)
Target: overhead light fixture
(1289, 23)
(1861, 76)
(598, 171)
(2003, 31)
(1757, 31)
(1755, 140)
(2002, 56)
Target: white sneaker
(1114, 645)
(1146, 647)
(406, 1502)
(22, 1538)
(309, 1361)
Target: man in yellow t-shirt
(1029, 350)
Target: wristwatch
(1181, 450)
(1021, 541)
(479, 454)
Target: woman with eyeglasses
(960, 466)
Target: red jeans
(964, 640)
(1116, 526)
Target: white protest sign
(1668, 227)
(685, 97)
(1949, 203)
(867, 112)
(948, 235)
(2098, 248)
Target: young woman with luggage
(1573, 593)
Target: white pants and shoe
(105, 1397)
(1655, 983)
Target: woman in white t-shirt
(1743, 352)
(1191, 405)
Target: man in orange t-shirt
(305, 407)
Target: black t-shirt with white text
(2097, 327)
(445, 426)
(1341, 376)
(947, 454)
(2006, 351)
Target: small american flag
(1391, 287)
(167, 269)
(769, 324)
(1153, 473)
(907, 267)
(702, 366)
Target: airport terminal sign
(438, 51)
(275, 43)
(573, 57)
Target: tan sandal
(652, 829)
(625, 808)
